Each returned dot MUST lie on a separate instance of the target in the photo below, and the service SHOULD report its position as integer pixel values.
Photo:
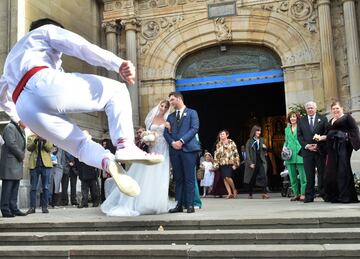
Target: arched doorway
(234, 87)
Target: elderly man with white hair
(312, 151)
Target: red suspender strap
(20, 86)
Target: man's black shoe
(308, 200)
(7, 214)
(80, 206)
(19, 213)
(178, 208)
(190, 209)
(45, 210)
(30, 211)
(75, 203)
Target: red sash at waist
(20, 86)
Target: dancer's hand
(127, 72)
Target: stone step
(308, 251)
(126, 224)
(184, 237)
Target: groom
(183, 150)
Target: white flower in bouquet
(148, 137)
(317, 137)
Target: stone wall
(82, 17)
(340, 53)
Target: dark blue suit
(184, 161)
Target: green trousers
(294, 170)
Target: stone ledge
(187, 251)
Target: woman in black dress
(342, 137)
(255, 164)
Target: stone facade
(313, 39)
(316, 41)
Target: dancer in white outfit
(42, 95)
(153, 179)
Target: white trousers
(50, 95)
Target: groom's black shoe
(178, 208)
(190, 209)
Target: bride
(152, 179)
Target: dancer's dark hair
(41, 22)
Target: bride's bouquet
(148, 137)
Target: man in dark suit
(184, 148)
(313, 152)
(11, 168)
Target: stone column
(327, 53)
(111, 31)
(353, 55)
(131, 54)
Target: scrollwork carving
(151, 29)
(118, 5)
(284, 6)
(301, 9)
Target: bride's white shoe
(133, 154)
(125, 183)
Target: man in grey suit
(11, 168)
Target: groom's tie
(177, 118)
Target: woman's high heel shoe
(265, 196)
(234, 195)
(296, 198)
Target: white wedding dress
(153, 181)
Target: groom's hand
(177, 145)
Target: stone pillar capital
(111, 26)
(130, 24)
(323, 2)
(344, 1)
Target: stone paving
(213, 209)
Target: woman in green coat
(295, 164)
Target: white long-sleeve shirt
(44, 47)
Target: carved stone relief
(151, 29)
(311, 54)
(146, 4)
(222, 30)
(116, 5)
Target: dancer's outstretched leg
(125, 183)
(80, 93)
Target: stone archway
(294, 44)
